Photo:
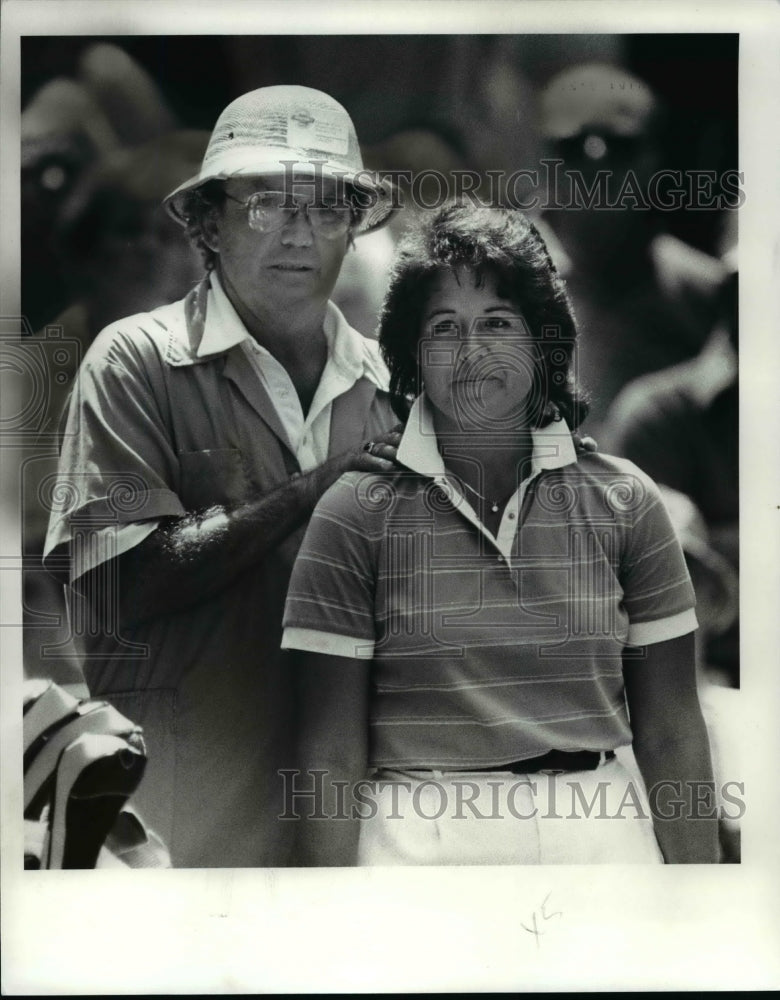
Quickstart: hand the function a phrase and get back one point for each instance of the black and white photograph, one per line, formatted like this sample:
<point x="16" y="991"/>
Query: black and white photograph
<point x="389" y="534"/>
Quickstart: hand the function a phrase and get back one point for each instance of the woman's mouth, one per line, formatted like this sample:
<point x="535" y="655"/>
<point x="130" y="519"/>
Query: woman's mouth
<point x="481" y="380"/>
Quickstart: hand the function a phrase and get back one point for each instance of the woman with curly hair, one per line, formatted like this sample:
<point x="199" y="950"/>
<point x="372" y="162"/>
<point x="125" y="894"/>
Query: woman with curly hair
<point x="482" y="628"/>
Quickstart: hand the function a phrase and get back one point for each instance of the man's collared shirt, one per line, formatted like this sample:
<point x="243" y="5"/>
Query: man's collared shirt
<point x="347" y="361"/>
<point x="195" y="333"/>
<point x="156" y="431"/>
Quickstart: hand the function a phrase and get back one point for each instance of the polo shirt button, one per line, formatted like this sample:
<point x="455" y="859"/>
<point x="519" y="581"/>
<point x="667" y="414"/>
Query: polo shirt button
<point x="511" y="515"/>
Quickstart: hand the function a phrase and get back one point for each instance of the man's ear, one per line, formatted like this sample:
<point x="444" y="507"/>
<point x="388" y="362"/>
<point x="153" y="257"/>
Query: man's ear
<point x="210" y="230"/>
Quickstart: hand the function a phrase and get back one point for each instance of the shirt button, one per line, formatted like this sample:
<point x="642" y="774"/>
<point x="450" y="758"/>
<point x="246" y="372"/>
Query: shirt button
<point x="500" y="559"/>
<point x="511" y="515"/>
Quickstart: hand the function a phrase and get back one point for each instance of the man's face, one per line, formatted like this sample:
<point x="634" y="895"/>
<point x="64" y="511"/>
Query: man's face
<point x="295" y="264"/>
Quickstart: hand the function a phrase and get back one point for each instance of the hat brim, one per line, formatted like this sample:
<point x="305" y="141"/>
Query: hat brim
<point x="381" y="194"/>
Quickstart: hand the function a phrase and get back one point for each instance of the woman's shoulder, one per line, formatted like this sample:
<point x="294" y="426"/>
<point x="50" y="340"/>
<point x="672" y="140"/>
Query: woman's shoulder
<point x="608" y="483"/>
<point x="597" y="463"/>
<point x="370" y="494"/>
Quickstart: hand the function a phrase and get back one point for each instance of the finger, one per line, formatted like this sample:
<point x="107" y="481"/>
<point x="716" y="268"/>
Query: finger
<point x="391" y="437"/>
<point x="371" y="463"/>
<point x="384" y="456"/>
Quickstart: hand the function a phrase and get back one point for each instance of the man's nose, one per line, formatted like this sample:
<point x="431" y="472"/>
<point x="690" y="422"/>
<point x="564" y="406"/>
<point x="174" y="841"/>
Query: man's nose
<point x="297" y="230"/>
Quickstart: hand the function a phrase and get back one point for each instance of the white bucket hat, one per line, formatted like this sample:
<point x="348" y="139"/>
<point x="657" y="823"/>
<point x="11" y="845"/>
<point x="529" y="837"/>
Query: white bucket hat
<point x="286" y="130"/>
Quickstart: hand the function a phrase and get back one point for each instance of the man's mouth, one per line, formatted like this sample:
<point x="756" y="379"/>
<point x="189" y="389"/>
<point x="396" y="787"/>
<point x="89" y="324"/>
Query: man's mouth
<point x="291" y="266"/>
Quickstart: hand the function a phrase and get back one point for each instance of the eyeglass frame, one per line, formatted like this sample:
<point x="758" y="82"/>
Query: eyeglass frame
<point x="289" y="212"/>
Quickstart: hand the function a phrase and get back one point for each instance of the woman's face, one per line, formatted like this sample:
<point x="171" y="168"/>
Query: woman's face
<point x="478" y="359"/>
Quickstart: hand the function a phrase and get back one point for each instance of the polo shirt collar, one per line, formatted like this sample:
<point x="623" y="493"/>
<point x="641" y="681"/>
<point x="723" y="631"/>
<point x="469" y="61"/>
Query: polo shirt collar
<point x="418" y="450"/>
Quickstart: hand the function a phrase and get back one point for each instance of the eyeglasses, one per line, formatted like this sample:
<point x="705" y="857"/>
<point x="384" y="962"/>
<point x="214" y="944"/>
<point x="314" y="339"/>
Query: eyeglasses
<point x="269" y="211"/>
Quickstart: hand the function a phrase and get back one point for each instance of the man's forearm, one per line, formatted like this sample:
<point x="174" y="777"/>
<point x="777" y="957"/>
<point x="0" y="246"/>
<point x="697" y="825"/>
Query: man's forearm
<point x="198" y="555"/>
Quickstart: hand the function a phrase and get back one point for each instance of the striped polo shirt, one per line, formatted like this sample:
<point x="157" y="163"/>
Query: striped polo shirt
<point x="489" y="649"/>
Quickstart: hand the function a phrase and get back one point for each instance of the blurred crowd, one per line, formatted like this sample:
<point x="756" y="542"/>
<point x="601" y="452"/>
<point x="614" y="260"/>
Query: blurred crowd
<point x="658" y="317"/>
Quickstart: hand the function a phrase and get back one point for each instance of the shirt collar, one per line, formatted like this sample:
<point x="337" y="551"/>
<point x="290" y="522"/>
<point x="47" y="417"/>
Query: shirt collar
<point x="418" y="450"/>
<point x="222" y="326"/>
<point x="353" y="355"/>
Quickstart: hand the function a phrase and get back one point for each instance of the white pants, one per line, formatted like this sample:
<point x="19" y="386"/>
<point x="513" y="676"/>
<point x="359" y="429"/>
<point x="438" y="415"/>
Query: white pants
<point x="500" y="818"/>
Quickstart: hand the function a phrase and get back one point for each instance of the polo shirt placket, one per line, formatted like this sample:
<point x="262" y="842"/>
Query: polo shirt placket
<point x="484" y="647"/>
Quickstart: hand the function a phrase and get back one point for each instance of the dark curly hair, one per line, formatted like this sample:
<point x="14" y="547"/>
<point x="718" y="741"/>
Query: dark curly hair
<point x="490" y="241"/>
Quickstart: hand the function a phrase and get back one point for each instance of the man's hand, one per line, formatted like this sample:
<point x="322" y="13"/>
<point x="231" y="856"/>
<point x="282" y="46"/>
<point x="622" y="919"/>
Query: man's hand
<point x="381" y="458"/>
<point x="583" y="444"/>
<point x="379" y="454"/>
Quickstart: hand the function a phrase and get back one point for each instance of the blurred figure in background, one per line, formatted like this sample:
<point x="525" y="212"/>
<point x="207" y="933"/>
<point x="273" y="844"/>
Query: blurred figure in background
<point x="681" y="426"/>
<point x="121" y="254"/>
<point x="68" y="125"/>
<point x="63" y="132"/>
<point x="424" y="161"/>
<point x="643" y="298"/>
<point x="98" y="155"/>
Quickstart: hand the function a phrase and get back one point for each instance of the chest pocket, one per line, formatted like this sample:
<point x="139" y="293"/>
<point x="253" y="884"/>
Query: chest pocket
<point x="213" y="476"/>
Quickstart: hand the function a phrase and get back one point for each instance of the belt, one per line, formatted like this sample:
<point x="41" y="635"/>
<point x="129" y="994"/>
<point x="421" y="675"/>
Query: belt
<point x="554" y="760"/>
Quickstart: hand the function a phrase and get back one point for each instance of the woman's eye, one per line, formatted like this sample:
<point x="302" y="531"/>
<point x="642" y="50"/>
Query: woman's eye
<point x="445" y="328"/>
<point x="505" y="325"/>
<point x="502" y="323"/>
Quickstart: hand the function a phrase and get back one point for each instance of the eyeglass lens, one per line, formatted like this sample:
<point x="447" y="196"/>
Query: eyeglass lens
<point x="268" y="211"/>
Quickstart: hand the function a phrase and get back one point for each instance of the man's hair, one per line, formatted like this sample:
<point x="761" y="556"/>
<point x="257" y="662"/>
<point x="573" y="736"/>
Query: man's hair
<point x="501" y="243"/>
<point x="197" y="204"/>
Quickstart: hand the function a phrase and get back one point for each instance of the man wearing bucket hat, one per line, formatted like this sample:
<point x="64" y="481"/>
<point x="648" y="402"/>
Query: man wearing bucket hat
<point x="198" y="440"/>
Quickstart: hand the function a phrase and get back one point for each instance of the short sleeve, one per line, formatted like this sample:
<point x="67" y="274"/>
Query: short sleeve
<point x="117" y="466"/>
<point x="330" y="601"/>
<point x="658" y="595"/>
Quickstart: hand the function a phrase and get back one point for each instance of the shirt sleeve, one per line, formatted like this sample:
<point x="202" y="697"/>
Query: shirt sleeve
<point x="117" y="466"/>
<point x="330" y="601"/>
<point x="657" y="591"/>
